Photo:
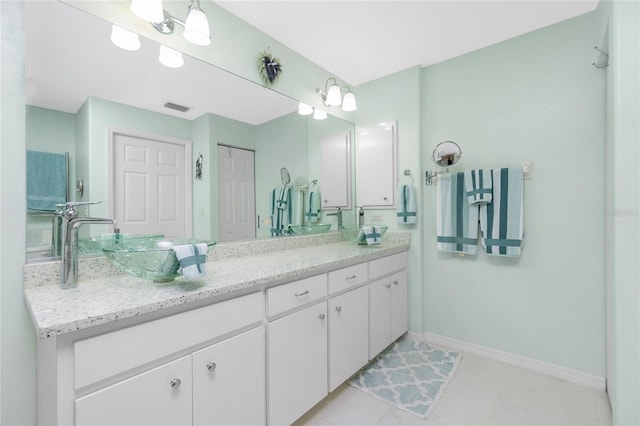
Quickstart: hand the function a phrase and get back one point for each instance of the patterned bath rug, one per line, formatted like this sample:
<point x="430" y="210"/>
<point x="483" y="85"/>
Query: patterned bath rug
<point x="411" y="375"/>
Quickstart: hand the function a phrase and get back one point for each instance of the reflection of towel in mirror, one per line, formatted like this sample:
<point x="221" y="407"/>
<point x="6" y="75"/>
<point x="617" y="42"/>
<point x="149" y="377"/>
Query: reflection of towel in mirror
<point x="456" y="221"/>
<point x="501" y="221"/>
<point x="371" y="234"/>
<point x="192" y="258"/>
<point x="281" y="210"/>
<point x="313" y="204"/>
<point x="46" y="180"/>
<point x="478" y="184"/>
<point x="406" y="205"/>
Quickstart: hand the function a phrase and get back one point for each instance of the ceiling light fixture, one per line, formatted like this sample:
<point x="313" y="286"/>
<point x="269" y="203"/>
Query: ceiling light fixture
<point x="196" y="27"/>
<point x="332" y="95"/>
<point x="124" y="39"/>
<point x="170" y="58"/>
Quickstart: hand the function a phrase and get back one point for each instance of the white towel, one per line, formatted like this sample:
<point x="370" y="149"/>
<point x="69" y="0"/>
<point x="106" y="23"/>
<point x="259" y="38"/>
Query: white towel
<point x="313" y="204"/>
<point x="501" y="221"/>
<point x="478" y="184"/>
<point x="456" y="221"/>
<point x="406" y="205"/>
<point x="192" y="258"/>
<point x="371" y="234"/>
<point x="281" y="210"/>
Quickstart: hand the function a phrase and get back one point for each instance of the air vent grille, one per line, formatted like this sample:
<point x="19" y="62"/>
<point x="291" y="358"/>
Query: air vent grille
<point x="176" y="107"/>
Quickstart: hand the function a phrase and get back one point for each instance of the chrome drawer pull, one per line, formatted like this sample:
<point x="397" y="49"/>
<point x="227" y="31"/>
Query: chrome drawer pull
<point x="302" y="293"/>
<point x="351" y="277"/>
<point x="211" y="366"/>
<point x="175" y="383"/>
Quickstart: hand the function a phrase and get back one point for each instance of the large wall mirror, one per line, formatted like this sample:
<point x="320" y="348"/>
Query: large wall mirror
<point x="81" y="90"/>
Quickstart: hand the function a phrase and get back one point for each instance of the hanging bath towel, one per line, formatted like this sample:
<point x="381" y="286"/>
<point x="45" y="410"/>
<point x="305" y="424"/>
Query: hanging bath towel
<point x="281" y="210"/>
<point x="456" y="221"/>
<point x="501" y="221"/>
<point x="478" y="184"/>
<point x="313" y="204"/>
<point x="406" y="205"/>
<point x="46" y="180"/>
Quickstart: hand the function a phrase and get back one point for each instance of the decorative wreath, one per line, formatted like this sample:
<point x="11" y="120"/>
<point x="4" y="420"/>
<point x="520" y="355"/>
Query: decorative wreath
<point x="269" y="67"/>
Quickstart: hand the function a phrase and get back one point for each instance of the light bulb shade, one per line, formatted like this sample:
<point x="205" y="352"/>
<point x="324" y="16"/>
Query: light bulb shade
<point x="319" y="115"/>
<point x="196" y="29"/>
<point x="349" y="102"/>
<point x="334" y="96"/>
<point x="170" y="58"/>
<point x="124" y="39"/>
<point x="304" y="109"/>
<point x="149" y="10"/>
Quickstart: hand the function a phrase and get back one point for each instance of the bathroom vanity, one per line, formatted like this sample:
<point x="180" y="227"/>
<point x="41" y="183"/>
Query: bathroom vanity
<point x="272" y="329"/>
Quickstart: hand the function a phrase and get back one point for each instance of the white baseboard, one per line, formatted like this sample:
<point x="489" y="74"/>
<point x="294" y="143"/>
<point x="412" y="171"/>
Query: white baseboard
<point x="552" y="370"/>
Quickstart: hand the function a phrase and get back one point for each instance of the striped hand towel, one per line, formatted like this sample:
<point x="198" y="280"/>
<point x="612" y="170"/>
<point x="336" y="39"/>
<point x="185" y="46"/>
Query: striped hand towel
<point x="456" y="221"/>
<point x="192" y="258"/>
<point x="281" y="210"/>
<point x="406" y="205"/>
<point x="501" y="222"/>
<point x="478" y="184"/>
<point x="371" y="234"/>
<point x="313" y="204"/>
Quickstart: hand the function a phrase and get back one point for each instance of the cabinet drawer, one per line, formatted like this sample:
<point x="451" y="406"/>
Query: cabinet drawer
<point x="101" y="357"/>
<point x="345" y="278"/>
<point x="298" y="293"/>
<point x="387" y="265"/>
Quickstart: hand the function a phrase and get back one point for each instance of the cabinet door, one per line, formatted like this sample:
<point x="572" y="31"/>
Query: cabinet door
<point x="335" y="171"/>
<point x="399" y="311"/>
<point x="161" y="396"/>
<point x="376" y="165"/>
<point x="229" y="381"/>
<point x="297" y="363"/>
<point x="348" y="335"/>
<point x="379" y="316"/>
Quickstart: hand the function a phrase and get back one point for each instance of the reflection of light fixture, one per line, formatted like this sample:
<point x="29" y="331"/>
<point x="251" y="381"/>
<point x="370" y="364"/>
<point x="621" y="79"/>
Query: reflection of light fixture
<point x="319" y="114"/>
<point x="124" y="39"/>
<point x="170" y="58"/>
<point x="304" y="109"/>
<point x="149" y="10"/>
<point x="332" y="95"/>
<point x="196" y="28"/>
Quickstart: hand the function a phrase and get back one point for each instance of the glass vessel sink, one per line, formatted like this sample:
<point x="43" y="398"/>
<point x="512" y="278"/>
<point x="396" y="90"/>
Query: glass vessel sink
<point x="356" y="235"/>
<point x="150" y="259"/>
<point x="310" y="228"/>
<point x="95" y="244"/>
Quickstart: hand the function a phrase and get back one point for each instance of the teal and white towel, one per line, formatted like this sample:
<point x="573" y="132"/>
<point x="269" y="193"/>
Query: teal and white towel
<point x="456" y="221"/>
<point x="372" y="234"/>
<point x="46" y="180"/>
<point x="478" y="184"/>
<point x="281" y="210"/>
<point x="192" y="258"/>
<point x="501" y="222"/>
<point x="406" y="205"/>
<point x="312" y="210"/>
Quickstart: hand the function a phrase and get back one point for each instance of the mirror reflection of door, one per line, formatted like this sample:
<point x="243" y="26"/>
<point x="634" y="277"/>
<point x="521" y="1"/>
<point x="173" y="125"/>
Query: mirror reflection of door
<point x="151" y="185"/>
<point x="236" y="194"/>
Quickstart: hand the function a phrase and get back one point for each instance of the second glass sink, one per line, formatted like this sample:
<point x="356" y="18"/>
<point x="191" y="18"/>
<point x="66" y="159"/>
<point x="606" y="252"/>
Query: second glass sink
<point x="356" y="235"/>
<point x="310" y="228"/>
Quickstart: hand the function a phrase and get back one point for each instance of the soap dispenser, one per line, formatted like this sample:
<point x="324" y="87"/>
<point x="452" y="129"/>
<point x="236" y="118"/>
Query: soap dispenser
<point x="361" y="217"/>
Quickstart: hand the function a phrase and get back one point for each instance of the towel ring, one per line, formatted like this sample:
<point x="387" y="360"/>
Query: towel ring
<point x="407" y="172"/>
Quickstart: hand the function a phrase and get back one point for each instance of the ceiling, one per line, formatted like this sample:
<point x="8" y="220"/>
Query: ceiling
<point x="359" y="41"/>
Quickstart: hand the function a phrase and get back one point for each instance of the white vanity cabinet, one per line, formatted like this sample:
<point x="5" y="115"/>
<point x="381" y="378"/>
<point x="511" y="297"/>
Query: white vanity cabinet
<point x="388" y="310"/>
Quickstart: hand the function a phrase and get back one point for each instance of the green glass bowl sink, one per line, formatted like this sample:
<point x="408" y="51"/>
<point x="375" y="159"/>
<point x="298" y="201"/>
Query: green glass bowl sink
<point x="355" y="234"/>
<point x="95" y="244"/>
<point x="310" y="228"/>
<point x="150" y="259"/>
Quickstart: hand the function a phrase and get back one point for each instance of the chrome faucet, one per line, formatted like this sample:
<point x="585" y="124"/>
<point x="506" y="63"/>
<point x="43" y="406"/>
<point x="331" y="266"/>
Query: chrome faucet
<point x="71" y="224"/>
<point x="337" y="214"/>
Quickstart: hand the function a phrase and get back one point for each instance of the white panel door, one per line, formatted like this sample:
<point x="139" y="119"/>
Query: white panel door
<point x="335" y="173"/>
<point x="236" y="194"/>
<point x="151" y="186"/>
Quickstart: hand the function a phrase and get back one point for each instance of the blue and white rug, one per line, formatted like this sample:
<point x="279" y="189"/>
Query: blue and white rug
<point x="411" y="375"/>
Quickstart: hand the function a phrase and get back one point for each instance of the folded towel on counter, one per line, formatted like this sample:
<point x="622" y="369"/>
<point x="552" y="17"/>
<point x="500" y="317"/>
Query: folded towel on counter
<point x="313" y="204"/>
<point x="281" y="210"/>
<point x="371" y="234"/>
<point x="192" y="258"/>
<point x="501" y="222"/>
<point x="478" y="185"/>
<point x="46" y="180"/>
<point x="406" y="205"/>
<point x="456" y="221"/>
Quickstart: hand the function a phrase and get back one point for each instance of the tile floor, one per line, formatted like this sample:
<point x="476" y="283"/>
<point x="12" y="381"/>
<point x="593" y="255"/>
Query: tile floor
<point x="482" y="392"/>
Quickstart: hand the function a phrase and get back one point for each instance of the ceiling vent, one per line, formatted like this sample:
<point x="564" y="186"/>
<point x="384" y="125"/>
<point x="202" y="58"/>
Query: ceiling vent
<point x="176" y="107"/>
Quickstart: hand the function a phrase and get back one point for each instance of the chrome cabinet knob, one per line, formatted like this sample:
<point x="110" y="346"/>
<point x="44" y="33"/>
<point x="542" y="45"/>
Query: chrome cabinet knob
<point x="395" y="282"/>
<point x="211" y="366"/>
<point x="388" y="285"/>
<point x="322" y="316"/>
<point x="175" y="383"/>
<point x="339" y="308"/>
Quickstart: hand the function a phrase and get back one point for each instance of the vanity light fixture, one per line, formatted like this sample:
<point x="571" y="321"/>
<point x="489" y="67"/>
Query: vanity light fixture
<point x="319" y="114"/>
<point x="196" y="27"/>
<point x="332" y="95"/>
<point x="124" y="39"/>
<point x="170" y="58"/>
<point x="304" y="109"/>
<point x="149" y="10"/>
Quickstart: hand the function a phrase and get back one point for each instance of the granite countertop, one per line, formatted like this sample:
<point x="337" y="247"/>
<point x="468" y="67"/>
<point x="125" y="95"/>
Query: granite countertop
<point x="104" y="297"/>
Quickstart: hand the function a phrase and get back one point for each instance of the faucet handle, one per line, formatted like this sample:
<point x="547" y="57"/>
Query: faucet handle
<point x="70" y="212"/>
